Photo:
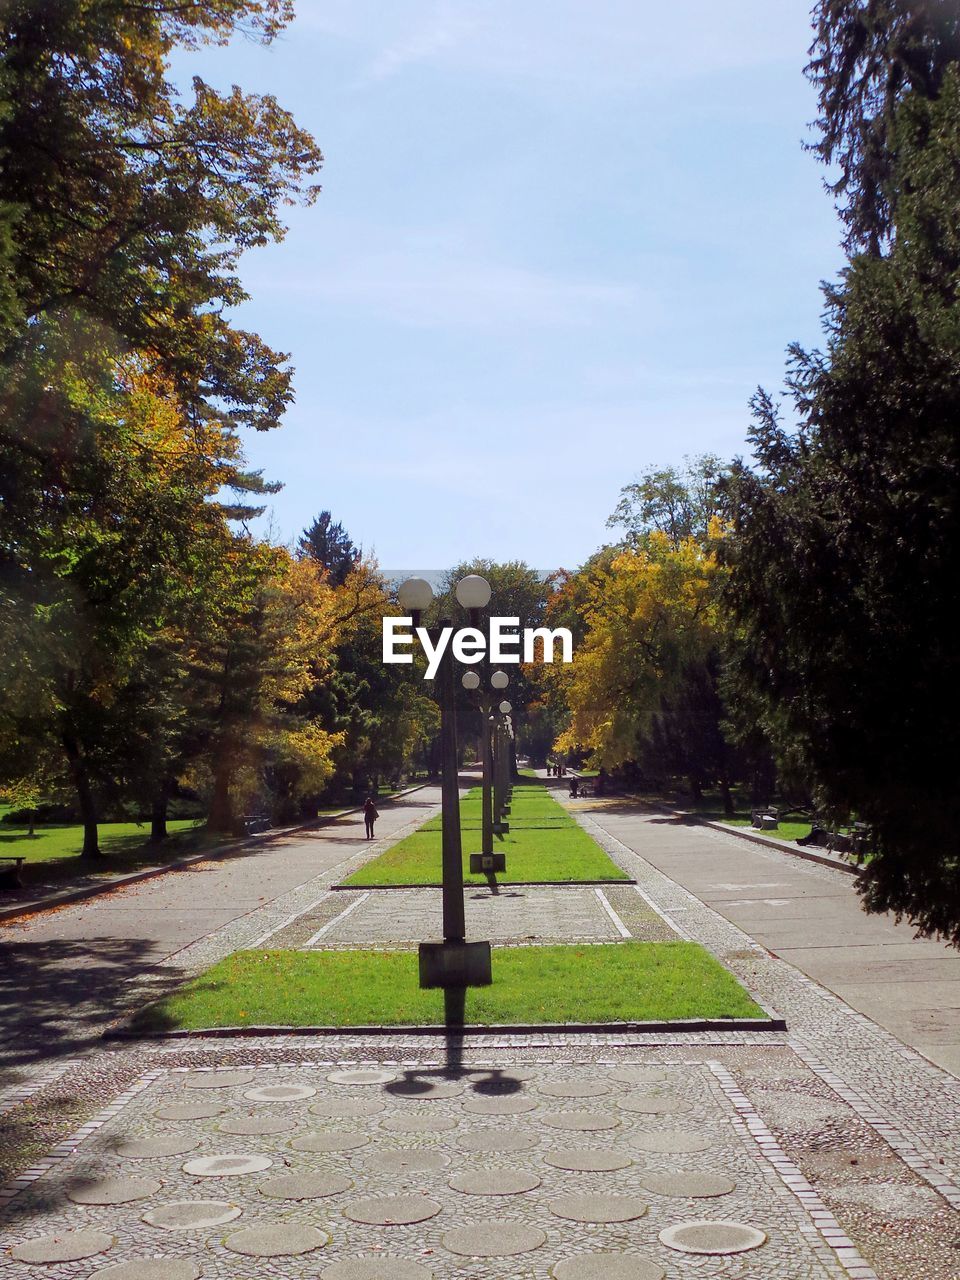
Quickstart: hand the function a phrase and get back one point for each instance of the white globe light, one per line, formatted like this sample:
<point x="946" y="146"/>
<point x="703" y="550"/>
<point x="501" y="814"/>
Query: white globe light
<point x="499" y="680"/>
<point x="415" y="593"/>
<point x="473" y="592"/>
<point x="506" y="707"/>
<point x="470" y="680"/>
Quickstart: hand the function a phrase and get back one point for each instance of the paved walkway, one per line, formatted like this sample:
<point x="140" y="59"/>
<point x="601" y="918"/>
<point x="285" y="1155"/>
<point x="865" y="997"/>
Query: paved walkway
<point x="809" y="915"/>
<point x="831" y="1150"/>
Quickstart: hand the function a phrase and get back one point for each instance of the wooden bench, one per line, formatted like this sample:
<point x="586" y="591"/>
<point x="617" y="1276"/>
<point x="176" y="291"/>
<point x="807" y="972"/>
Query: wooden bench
<point x="10" y="868"/>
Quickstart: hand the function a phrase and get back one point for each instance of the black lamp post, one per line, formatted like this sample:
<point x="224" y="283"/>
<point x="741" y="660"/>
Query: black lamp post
<point x="486" y="860"/>
<point x="454" y="962"/>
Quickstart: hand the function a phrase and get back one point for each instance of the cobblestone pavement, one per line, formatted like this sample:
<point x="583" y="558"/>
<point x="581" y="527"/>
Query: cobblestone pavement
<point x="525" y="1165"/>
<point x="827" y="1151"/>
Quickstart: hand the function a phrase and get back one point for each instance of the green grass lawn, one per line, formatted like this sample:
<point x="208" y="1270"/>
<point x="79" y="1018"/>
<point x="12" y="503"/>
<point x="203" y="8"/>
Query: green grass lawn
<point x="616" y="982"/>
<point x="783" y="831"/>
<point x="118" y="840"/>
<point x="544" y="844"/>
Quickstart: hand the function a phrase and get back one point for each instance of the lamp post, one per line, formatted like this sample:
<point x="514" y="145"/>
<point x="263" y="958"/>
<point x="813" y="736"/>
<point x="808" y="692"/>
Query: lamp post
<point x="486" y="860"/>
<point x="454" y="962"/>
<point x="501" y="771"/>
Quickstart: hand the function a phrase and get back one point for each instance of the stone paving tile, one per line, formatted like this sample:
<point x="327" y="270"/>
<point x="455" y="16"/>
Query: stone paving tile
<point x="349" y="1218"/>
<point x="516" y="913"/>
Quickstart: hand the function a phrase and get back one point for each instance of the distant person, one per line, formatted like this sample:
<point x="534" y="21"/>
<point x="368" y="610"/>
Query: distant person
<point x="574" y="787"/>
<point x="370" y="815"/>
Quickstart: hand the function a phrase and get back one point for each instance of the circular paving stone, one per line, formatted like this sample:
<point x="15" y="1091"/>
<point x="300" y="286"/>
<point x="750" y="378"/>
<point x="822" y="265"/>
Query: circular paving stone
<point x="595" y="1207"/>
<point x="304" y="1186"/>
<point x="190" y="1111"/>
<point x="574" y="1088"/>
<point x="226" y="1166"/>
<point x="504" y="1105"/>
<point x="493" y="1238"/>
<point x="497" y="1140"/>
<point x="637" y="1075"/>
<point x="671" y="1141"/>
<point x="494" y="1182"/>
<point x="329" y="1142"/>
<point x="280" y="1093"/>
<point x="65" y="1246"/>
<point x="112" y="1190"/>
<point x="607" y="1266"/>
<point x="391" y="1211"/>
<point x="714" y="1238"/>
<point x="346" y="1108"/>
<point x="150" y="1269"/>
<point x="276" y="1240"/>
<point x="217" y="1079"/>
<point x="153" y="1148"/>
<point x="256" y="1126"/>
<point x="581" y="1121"/>
<point x="588" y="1160"/>
<point x="380" y="1268"/>
<point x="654" y="1104"/>
<point x="405" y="1161"/>
<point x="419" y="1122"/>
<point x="192" y="1215"/>
<point x="425" y="1090"/>
<point x="360" y="1076"/>
<point x="687" y="1183"/>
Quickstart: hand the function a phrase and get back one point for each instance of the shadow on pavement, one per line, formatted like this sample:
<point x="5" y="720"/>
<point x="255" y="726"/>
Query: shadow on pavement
<point x="57" y="997"/>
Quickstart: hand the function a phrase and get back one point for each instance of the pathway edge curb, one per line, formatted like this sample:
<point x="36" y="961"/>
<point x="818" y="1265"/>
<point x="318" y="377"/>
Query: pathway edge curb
<point x="695" y="1025"/>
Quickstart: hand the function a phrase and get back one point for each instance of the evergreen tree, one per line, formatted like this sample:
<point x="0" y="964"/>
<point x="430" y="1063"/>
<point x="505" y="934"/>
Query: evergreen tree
<point x="846" y="555"/>
<point x="868" y="55"/>
<point x="330" y="545"/>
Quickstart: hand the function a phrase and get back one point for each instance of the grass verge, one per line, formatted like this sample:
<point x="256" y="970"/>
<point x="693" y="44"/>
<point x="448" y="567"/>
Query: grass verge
<point x="544" y="844"/>
<point x="616" y="982"/>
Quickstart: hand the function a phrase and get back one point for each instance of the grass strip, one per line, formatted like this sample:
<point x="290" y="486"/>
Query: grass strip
<point x="615" y="982"/>
<point x="544" y="844"/>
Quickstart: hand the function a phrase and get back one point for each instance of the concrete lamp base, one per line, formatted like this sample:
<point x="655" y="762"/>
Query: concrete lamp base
<point x="455" y="964"/>
<point x="480" y="863"/>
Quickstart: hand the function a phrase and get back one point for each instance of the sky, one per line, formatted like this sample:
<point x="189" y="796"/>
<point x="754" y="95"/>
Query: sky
<point x="559" y="243"/>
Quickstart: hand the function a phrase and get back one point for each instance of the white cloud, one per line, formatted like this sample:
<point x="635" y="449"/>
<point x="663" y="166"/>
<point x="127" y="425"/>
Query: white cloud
<point x="442" y="30"/>
<point x="606" y="44"/>
<point x="428" y="284"/>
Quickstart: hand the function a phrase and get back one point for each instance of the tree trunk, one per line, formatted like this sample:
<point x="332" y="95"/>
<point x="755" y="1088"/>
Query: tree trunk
<point x="220" y="817"/>
<point x="88" y="808"/>
<point x="158" y="816"/>
<point x="32" y="820"/>
<point x="726" y="797"/>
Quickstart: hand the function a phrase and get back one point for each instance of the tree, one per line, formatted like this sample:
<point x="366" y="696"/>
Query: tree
<point x="678" y="502"/>
<point x="123" y="381"/>
<point x="867" y="56"/>
<point x="330" y="545"/>
<point x="650" y="613"/>
<point x="132" y="206"/>
<point x="846" y="554"/>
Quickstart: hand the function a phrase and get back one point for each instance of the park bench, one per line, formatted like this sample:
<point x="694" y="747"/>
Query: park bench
<point x="255" y="823"/>
<point x="765" y="819"/>
<point x="10" y="868"/>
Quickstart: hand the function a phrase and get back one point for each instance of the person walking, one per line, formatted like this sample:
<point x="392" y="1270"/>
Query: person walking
<point x="370" y="815"/>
